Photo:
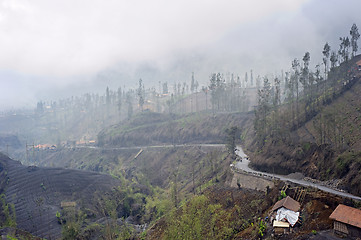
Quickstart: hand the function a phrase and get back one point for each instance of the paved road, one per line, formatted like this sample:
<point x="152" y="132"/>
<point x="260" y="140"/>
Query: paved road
<point x="156" y="146"/>
<point x="244" y="165"/>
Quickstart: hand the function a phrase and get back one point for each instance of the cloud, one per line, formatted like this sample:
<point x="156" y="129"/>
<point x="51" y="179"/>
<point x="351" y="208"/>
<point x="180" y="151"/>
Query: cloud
<point x="63" y="38"/>
<point x="63" y="44"/>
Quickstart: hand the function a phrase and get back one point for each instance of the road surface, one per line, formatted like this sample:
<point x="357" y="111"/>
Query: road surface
<point x="244" y="165"/>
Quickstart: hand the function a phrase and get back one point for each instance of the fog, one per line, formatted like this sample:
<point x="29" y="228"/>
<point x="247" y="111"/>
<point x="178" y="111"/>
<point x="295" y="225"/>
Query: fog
<point x="53" y="49"/>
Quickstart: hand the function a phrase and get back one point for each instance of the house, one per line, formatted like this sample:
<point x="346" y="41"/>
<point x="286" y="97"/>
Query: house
<point x="285" y="214"/>
<point x="346" y="221"/>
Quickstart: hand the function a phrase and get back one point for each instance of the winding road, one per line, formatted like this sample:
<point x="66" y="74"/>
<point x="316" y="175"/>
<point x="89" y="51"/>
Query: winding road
<point x="244" y="165"/>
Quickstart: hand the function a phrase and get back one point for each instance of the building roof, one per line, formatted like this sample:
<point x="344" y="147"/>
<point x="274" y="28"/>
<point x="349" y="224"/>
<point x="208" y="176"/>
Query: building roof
<point x="348" y="215"/>
<point x="280" y="224"/>
<point x="288" y="203"/>
<point x="358" y="62"/>
<point x="68" y="204"/>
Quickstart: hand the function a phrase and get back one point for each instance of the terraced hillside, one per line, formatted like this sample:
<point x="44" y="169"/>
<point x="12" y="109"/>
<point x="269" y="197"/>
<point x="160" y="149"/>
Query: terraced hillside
<point x="38" y="193"/>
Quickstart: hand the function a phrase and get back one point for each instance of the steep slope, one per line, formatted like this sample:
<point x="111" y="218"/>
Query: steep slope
<point x="326" y="146"/>
<point x="38" y="193"/>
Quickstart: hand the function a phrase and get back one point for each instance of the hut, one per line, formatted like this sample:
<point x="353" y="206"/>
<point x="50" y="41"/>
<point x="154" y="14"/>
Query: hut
<point x="285" y="214"/>
<point x="346" y="221"/>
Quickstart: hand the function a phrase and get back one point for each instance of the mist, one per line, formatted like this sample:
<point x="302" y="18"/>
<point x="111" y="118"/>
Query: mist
<point x="64" y="48"/>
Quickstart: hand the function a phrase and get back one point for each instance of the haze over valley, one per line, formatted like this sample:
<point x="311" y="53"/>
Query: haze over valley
<point x="180" y="120"/>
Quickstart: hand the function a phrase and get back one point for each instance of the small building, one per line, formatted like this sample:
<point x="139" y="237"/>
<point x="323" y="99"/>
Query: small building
<point x="288" y="203"/>
<point x="65" y="204"/>
<point x="346" y="221"/>
<point x="285" y="214"/>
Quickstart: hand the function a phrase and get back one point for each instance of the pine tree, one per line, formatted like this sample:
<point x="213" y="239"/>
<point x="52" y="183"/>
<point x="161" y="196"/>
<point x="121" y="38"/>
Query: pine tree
<point x="140" y="93"/>
<point x="119" y="99"/>
<point x="354" y="37"/>
<point x="333" y="59"/>
<point x="326" y="56"/>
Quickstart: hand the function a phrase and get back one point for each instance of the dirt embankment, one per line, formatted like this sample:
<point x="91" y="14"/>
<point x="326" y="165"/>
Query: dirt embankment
<point x="37" y="194"/>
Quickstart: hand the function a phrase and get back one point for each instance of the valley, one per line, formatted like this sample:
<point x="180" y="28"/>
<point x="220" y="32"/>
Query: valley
<point x="269" y="157"/>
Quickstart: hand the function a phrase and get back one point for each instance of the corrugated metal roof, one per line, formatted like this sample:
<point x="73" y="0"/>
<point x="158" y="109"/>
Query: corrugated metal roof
<point x="348" y="215"/>
<point x="280" y="224"/>
<point x="358" y="62"/>
<point x="288" y="203"/>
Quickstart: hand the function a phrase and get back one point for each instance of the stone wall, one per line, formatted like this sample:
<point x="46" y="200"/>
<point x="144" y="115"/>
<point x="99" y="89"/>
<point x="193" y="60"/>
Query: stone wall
<point x="250" y="181"/>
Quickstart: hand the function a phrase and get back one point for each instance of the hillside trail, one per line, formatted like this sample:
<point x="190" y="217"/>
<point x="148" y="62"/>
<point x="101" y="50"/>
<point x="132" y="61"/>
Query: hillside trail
<point x="244" y="166"/>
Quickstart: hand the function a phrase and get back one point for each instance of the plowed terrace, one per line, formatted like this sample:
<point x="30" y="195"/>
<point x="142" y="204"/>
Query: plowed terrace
<point x="37" y="194"/>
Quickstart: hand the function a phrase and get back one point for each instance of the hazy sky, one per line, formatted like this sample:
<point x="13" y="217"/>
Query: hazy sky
<point x="77" y="45"/>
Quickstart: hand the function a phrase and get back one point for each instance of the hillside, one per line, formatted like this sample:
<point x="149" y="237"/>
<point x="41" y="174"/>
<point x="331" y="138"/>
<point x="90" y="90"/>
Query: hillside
<point x="148" y="128"/>
<point x="49" y="200"/>
<point x="196" y="178"/>
<point x="328" y="145"/>
<point x="190" y="166"/>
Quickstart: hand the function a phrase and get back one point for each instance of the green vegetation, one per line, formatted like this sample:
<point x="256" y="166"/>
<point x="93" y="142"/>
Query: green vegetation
<point x="10" y="237"/>
<point x="283" y="194"/>
<point x="199" y="220"/>
<point x="8" y="210"/>
<point x="72" y="221"/>
<point x="262" y="227"/>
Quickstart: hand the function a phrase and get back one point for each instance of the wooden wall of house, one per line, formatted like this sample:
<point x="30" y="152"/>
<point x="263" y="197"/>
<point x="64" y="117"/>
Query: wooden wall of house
<point x="346" y="230"/>
<point x="340" y="227"/>
<point x="354" y="231"/>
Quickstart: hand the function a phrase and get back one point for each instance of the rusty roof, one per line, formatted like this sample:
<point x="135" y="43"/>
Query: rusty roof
<point x="348" y="215"/>
<point x="288" y="203"/>
<point x="358" y="62"/>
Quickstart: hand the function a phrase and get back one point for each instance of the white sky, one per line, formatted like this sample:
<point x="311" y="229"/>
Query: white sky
<point x="49" y="45"/>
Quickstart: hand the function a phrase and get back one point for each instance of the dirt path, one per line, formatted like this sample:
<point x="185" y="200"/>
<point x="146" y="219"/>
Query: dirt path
<point x="244" y="165"/>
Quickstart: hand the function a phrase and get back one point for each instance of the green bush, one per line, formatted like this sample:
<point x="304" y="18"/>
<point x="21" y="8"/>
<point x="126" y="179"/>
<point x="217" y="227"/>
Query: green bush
<point x="198" y="219"/>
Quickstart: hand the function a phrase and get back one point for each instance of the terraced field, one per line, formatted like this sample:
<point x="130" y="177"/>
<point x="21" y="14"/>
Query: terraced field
<point x="37" y="194"/>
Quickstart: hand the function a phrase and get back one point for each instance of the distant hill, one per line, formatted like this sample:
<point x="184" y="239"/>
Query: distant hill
<point x="9" y="141"/>
<point x="148" y="128"/>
